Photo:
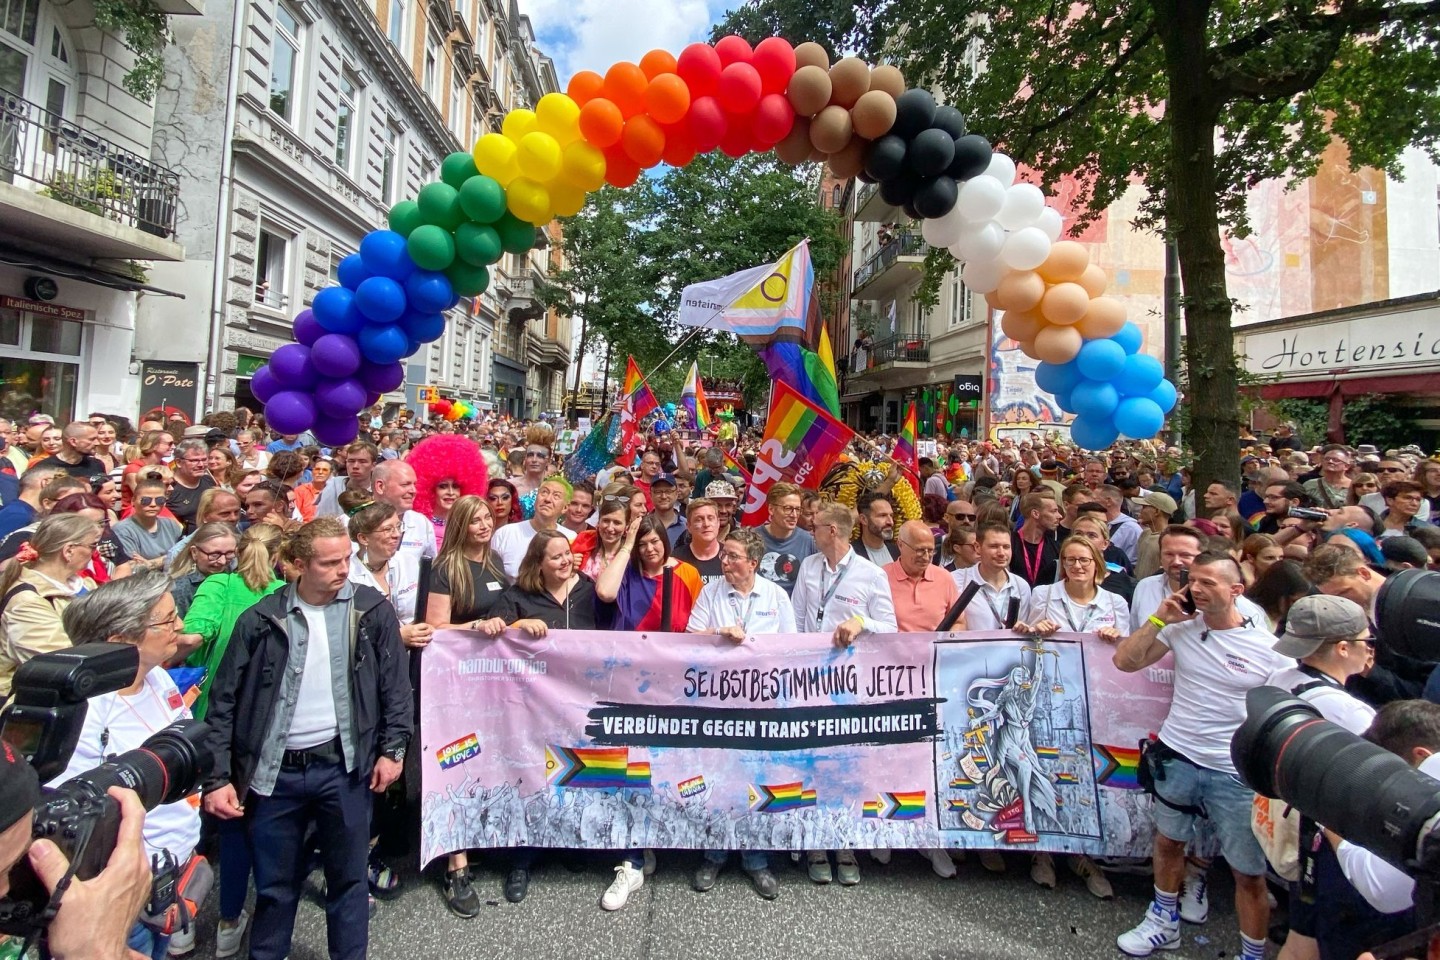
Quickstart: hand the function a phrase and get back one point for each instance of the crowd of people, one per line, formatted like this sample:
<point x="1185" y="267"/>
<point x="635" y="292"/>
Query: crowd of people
<point x="287" y="576"/>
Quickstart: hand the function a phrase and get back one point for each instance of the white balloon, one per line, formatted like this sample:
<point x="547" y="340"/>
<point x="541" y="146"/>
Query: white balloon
<point x="1023" y="205"/>
<point x="941" y="231"/>
<point x="980" y="199"/>
<point x="979" y="245"/>
<point x="1051" y="222"/>
<point x="982" y="277"/>
<point x="1001" y="168"/>
<point x="1025" y="249"/>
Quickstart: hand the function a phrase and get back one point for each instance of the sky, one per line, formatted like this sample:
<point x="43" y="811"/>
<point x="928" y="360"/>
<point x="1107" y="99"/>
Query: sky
<point x="594" y="34"/>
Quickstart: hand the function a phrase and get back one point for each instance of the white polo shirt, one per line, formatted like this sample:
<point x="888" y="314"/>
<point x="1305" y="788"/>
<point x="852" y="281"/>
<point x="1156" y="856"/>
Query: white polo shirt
<point x="765" y="609"/>
<point x="512" y="540"/>
<point x="417" y="536"/>
<point x="987" y="610"/>
<point x="824" y="598"/>
<point x="1050" y="601"/>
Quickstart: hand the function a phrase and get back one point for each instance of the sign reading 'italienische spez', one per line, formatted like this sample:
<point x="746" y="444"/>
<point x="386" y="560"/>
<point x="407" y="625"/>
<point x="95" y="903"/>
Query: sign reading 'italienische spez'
<point x="1404" y="340"/>
<point x="39" y="307"/>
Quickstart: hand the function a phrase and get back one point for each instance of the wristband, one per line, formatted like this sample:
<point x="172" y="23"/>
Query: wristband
<point x="1159" y="624"/>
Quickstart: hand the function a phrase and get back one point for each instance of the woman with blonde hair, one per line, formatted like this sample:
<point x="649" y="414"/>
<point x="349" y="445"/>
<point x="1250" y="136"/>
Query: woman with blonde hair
<point x="535" y="467"/>
<point x="37" y="584"/>
<point x="219" y="462"/>
<point x="211" y="549"/>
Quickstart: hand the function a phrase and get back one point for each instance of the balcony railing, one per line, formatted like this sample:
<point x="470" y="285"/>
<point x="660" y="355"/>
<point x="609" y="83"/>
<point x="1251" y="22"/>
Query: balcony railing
<point x="904" y="244"/>
<point x="43" y="151"/>
<point x="902" y="349"/>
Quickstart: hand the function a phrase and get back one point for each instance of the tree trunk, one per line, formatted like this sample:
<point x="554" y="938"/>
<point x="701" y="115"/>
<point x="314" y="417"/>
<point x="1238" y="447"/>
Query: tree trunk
<point x="1193" y="110"/>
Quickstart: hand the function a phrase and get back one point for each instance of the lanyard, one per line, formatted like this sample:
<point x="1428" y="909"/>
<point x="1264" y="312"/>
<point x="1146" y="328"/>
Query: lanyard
<point x="985" y="592"/>
<point x="745" y="614"/>
<point x="830" y="593"/>
<point x="1090" y="611"/>
<point x="1032" y="571"/>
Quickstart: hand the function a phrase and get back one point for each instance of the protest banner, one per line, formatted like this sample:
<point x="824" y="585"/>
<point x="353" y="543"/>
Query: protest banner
<point x="801" y="443"/>
<point x="626" y="740"/>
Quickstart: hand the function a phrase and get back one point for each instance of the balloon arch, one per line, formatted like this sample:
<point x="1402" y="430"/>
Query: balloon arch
<point x="859" y="119"/>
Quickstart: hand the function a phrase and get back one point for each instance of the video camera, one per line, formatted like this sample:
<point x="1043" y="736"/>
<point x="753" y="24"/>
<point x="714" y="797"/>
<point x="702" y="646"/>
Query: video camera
<point x="43" y="723"/>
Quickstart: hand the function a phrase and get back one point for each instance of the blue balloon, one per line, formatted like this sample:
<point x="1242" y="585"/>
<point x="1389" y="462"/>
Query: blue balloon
<point x="385" y="255"/>
<point x="1139" y="418"/>
<point x="1057" y="377"/>
<point x="1094" y="400"/>
<point x="428" y="292"/>
<point x="1063" y="399"/>
<point x="334" y="309"/>
<point x="1101" y="360"/>
<point x="423" y="327"/>
<point x="1093" y="434"/>
<point x="1130" y="338"/>
<point x="411" y="348"/>
<point x="352" y="272"/>
<point x="1141" y="374"/>
<point x="1164" y="396"/>
<point x="383" y="342"/>
<point x="454" y="302"/>
<point x="381" y="300"/>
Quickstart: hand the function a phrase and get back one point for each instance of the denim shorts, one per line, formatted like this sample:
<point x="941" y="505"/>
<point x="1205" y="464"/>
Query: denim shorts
<point x="1226" y="802"/>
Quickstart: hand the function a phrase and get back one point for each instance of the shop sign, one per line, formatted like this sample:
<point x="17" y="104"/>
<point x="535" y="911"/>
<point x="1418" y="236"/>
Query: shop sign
<point x="1408" y="339"/>
<point x="170" y="386"/>
<point x="246" y="365"/>
<point x="41" y="308"/>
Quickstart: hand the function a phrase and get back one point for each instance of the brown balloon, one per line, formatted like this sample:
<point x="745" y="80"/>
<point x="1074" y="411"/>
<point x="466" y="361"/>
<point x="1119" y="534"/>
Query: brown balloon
<point x="811" y="54"/>
<point x="887" y="78"/>
<point x="818" y="156"/>
<point x="831" y="129"/>
<point x="873" y="114"/>
<point x="795" y="148"/>
<point x="850" y="79"/>
<point x="848" y="162"/>
<point x="809" y="90"/>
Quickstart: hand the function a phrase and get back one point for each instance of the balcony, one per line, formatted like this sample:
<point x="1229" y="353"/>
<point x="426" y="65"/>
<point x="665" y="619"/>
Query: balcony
<point x="521" y="303"/>
<point x="891" y="363"/>
<point x="895" y="265"/>
<point x="66" y="189"/>
<point x="870" y="207"/>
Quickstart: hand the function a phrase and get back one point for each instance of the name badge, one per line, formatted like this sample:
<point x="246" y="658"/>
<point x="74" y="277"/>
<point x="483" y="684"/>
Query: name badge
<point x="492" y="585"/>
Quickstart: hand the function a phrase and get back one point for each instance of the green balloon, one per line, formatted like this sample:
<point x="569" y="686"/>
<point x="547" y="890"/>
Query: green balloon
<point x="457" y="168"/>
<point x="405" y="216"/>
<point x="483" y="199"/>
<point x="466" y="279"/>
<point x="516" y="236"/>
<point x="477" y="244"/>
<point x="440" y="205"/>
<point x="431" y="247"/>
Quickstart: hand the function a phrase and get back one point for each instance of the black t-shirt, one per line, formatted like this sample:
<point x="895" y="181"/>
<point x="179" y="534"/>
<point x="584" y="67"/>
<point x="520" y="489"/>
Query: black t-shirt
<point x="184" y="502"/>
<point x="582" y="610"/>
<point x="709" y="569"/>
<point x="480" y="605"/>
<point x="86" y="469"/>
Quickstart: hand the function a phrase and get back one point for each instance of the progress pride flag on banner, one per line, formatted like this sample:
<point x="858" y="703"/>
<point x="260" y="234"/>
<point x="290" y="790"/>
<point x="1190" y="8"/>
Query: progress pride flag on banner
<point x="802" y="442"/>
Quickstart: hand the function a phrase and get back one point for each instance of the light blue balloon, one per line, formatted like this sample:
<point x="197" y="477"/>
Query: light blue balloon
<point x="1130" y="338"/>
<point x="1140" y="375"/>
<point x="1139" y="418"/>
<point x="1164" y="396"/>
<point x="1101" y="359"/>
<point x="1093" y="434"/>
<point x="1057" y="377"/>
<point x="1094" y="400"/>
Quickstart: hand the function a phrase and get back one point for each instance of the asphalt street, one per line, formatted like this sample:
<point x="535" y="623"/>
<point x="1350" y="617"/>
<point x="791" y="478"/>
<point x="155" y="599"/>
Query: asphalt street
<point x="900" y="911"/>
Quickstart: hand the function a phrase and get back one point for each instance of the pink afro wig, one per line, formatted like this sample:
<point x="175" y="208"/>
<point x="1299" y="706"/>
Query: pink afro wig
<point x="446" y="456"/>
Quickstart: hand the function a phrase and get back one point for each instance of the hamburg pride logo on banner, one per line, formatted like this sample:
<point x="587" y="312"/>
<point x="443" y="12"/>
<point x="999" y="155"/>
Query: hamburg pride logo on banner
<point x="801" y="443"/>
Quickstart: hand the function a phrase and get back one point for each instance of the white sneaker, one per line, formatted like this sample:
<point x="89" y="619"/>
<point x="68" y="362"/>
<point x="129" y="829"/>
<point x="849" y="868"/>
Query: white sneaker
<point x="1158" y="931"/>
<point x="940" y="862"/>
<point x="182" y="941"/>
<point x="228" y="938"/>
<point x="1195" y="897"/>
<point x="627" y="881"/>
<point x="880" y="854"/>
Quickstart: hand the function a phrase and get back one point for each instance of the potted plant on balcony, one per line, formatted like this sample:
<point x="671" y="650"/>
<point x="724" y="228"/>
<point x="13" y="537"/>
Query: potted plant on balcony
<point x="99" y="191"/>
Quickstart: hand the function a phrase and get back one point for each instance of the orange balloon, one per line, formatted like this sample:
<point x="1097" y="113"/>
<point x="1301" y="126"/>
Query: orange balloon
<point x="625" y="85"/>
<point x="1021" y="325"/>
<point x="620" y="170"/>
<point x="643" y="140"/>
<point x="1104" y="318"/>
<point x="1027" y="347"/>
<point x="601" y="123"/>
<point x="1065" y="303"/>
<point x="585" y="86"/>
<point x="994" y="303"/>
<point x="1067" y="262"/>
<point x="1020" y="290"/>
<point x="1094" y="280"/>
<point x="1057" y="344"/>
<point x="667" y="99"/>
<point x="657" y="62"/>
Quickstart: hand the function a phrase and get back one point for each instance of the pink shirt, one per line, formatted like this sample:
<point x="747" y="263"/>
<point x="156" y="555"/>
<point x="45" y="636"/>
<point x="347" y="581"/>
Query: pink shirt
<point x="920" y="602"/>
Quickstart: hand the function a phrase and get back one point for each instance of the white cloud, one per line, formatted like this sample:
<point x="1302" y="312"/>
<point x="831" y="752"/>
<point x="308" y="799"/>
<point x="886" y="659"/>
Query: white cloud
<point x="594" y="34"/>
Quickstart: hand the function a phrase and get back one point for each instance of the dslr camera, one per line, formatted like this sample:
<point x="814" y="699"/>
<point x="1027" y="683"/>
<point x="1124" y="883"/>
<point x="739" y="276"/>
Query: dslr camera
<point x="43" y="722"/>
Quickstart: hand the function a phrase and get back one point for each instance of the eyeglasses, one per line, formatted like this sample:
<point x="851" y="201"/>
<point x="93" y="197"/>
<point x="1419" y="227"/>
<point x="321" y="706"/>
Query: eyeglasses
<point x="214" y="555"/>
<point x="787" y="509"/>
<point x="963" y="516"/>
<point x="389" y="530"/>
<point x="734" y="557"/>
<point x="152" y="501"/>
<point x="165" y="624"/>
<point x="1078" y="561"/>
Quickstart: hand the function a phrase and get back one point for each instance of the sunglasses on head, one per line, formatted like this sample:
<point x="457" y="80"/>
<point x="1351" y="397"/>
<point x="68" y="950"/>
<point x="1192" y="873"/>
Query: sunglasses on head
<point x="615" y="498"/>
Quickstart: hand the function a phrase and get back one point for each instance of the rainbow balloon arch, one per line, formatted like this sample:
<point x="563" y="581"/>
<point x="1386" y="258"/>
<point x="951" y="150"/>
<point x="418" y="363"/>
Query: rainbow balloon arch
<point x="861" y="120"/>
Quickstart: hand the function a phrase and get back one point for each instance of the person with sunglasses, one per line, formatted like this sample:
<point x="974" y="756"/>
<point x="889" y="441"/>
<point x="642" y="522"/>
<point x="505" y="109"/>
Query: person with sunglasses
<point x="534" y="467"/>
<point x="146" y="535"/>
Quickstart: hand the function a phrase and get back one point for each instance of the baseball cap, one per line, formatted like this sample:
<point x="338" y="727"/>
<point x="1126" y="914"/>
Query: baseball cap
<point x="1405" y="550"/>
<point x="197" y="432"/>
<point x="665" y="478"/>
<point x="1316" y="619"/>
<point x="1160" y="501"/>
<point x="19" y="786"/>
<point x="720" y="490"/>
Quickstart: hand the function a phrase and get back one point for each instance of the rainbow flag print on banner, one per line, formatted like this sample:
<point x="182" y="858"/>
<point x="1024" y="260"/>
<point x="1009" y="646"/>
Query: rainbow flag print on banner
<point x="903" y="805"/>
<point x="801" y="443"/>
<point x="596" y="768"/>
<point x="780" y="797"/>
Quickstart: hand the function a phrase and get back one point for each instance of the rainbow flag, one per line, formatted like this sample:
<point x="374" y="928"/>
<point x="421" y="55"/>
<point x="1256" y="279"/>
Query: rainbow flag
<point x="734" y="463"/>
<point x="692" y="398"/>
<point x="638" y="393"/>
<point x="1116" y="767"/>
<point x="904" y="452"/>
<point x="1048" y="753"/>
<point x="801" y="443"/>
<point x="780" y="797"/>
<point x="1066" y="777"/>
<point x="595" y="768"/>
<point x="872" y="809"/>
<point x="962" y="782"/>
<point x="692" y="787"/>
<point x="903" y="805"/>
<point x="454" y="754"/>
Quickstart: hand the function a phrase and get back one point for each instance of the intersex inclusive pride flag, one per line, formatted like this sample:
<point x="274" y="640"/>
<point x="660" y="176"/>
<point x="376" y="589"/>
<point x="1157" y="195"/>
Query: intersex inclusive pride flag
<point x="801" y="443"/>
<point x="692" y="398"/>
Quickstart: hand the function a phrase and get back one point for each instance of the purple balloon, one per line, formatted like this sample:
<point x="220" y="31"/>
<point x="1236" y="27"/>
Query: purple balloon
<point x="381" y="300"/>
<point x="290" y="411"/>
<point x="336" y="431"/>
<point x="307" y="328"/>
<point x="335" y="355"/>
<point x="334" y="309"/>
<point x="339" y="398"/>
<point x="424" y="327"/>
<point x="383" y="343"/>
<point x="264" y="384"/>
<point x="381" y="377"/>
<point x="371" y="399"/>
<point x="293" y="367"/>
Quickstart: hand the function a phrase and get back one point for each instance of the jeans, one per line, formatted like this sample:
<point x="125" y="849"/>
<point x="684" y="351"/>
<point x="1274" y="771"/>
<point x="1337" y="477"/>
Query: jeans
<point x="234" y="867"/>
<point x="154" y="945"/>
<point x="1226" y="802"/>
<point x="750" y="860"/>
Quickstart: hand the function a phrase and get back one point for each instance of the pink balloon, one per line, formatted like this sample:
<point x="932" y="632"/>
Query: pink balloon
<point x="774" y="118"/>
<point x="739" y="89"/>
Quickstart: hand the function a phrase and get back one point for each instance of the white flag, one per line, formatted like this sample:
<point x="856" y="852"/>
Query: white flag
<point x="703" y="304"/>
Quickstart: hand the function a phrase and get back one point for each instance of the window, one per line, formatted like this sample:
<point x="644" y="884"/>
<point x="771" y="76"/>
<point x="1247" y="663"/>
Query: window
<point x="272" y="254"/>
<point x="962" y="311"/>
<point x="432" y="60"/>
<point x="835" y="197"/>
<point x="347" y="117"/>
<point x="397" y="23"/>
<point x="390" y="164"/>
<point x="39" y="370"/>
<point x="457" y="106"/>
<point x="284" y="61"/>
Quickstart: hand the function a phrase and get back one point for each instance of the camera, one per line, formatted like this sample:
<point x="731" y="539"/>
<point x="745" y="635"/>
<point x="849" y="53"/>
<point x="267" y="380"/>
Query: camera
<point x="1407" y="609"/>
<point x="43" y="722"/>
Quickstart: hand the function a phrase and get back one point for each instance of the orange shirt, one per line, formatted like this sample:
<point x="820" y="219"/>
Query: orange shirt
<point x="920" y="602"/>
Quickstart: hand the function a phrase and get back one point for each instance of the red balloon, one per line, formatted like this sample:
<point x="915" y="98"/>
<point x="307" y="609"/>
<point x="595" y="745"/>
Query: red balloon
<point x="739" y="90"/>
<point x="739" y="137"/>
<point x="584" y="87"/>
<point x="733" y="49"/>
<point x="699" y="66"/>
<point x="707" y="123"/>
<point x="775" y="60"/>
<point x="773" y="118"/>
<point x="679" y="144"/>
<point x="620" y="170"/>
<point x="643" y="140"/>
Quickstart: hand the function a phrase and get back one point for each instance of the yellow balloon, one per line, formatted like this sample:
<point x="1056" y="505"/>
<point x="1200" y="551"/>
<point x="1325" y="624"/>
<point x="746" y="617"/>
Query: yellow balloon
<point x="568" y="200"/>
<point x="539" y="156"/>
<point x="583" y="166"/>
<point x="528" y="200"/>
<point x="494" y="153"/>
<point x="559" y="116"/>
<point x="517" y="123"/>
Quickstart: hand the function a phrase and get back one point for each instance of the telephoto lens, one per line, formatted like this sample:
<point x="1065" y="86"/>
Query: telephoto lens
<point x="1363" y="792"/>
<point x="170" y="765"/>
<point x="1407" y="614"/>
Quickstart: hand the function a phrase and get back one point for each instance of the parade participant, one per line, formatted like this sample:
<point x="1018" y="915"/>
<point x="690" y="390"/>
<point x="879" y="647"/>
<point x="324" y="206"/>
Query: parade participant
<point x="146" y="535"/>
<point x="1097" y="531"/>
<point x="1219" y="655"/>
<point x="740" y="606"/>
<point x="248" y="454"/>
<point x="597" y="548"/>
<point x="209" y="550"/>
<point x="307" y="495"/>
<point x="539" y="439"/>
<point x="154" y="450"/>
<point x="702" y="546"/>
<point x="999" y="586"/>
<point x="722" y="495"/>
<point x="809" y="503"/>
<point x="960" y="550"/>
<point x="877" y="528"/>
<point x="1124" y="530"/>
<point x="29" y="505"/>
<point x="643" y="572"/>
<point x="359" y="459"/>
<point x="446" y="469"/>
<point x="269" y="502"/>
<point x="394" y="482"/>
<point x="75" y="453"/>
<point x="663" y="493"/>
<point x="1179" y="546"/>
<point x="581" y="506"/>
<point x="1155" y="510"/>
<point x="37" y="584"/>
<point x="1035" y="547"/>
<point x="511" y="541"/>
<point x="108" y="449"/>
<point x="191" y="478"/>
<point x="378" y="563"/>
<point x="49" y="442"/>
<point x="786" y="545"/>
<point x="650" y="464"/>
<point x="504" y="504"/>
<point x="920" y="592"/>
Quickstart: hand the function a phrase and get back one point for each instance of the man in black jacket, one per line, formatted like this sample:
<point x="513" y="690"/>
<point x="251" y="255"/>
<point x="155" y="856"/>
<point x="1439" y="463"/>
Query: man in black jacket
<point x="310" y="706"/>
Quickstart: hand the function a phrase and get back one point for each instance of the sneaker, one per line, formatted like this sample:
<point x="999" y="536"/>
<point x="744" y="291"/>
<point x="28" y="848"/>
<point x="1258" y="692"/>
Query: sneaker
<point x="819" y="866"/>
<point x="517" y="884"/>
<point x="460" y="896"/>
<point x="940" y="862"/>
<point x="992" y="861"/>
<point x="1195" y="897"/>
<point x="627" y="881"/>
<point x="229" y="934"/>
<point x="847" y="870"/>
<point x="1042" y="870"/>
<point x="649" y="867"/>
<point x="182" y="941"/>
<point x="764" y="883"/>
<point x="1158" y="931"/>
<point x="880" y="854"/>
<point x="705" y="876"/>
<point x="1095" y="880"/>
<point x="370" y="907"/>
<point x="384" y="882"/>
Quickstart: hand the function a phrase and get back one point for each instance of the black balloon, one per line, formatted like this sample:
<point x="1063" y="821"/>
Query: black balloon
<point x="972" y="156"/>
<point x="899" y="191"/>
<point x="936" y="197"/>
<point x="910" y="211"/>
<point x="885" y="158"/>
<point x="914" y="111"/>
<point x="864" y="177"/>
<point x="930" y="152"/>
<point x="950" y="120"/>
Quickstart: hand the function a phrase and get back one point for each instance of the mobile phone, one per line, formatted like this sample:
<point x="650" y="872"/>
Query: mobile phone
<point x="1187" y="604"/>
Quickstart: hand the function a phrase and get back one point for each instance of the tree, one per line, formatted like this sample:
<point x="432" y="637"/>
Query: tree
<point x="1198" y="100"/>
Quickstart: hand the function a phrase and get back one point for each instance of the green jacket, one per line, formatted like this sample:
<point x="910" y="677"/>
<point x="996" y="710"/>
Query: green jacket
<point x="218" y="603"/>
